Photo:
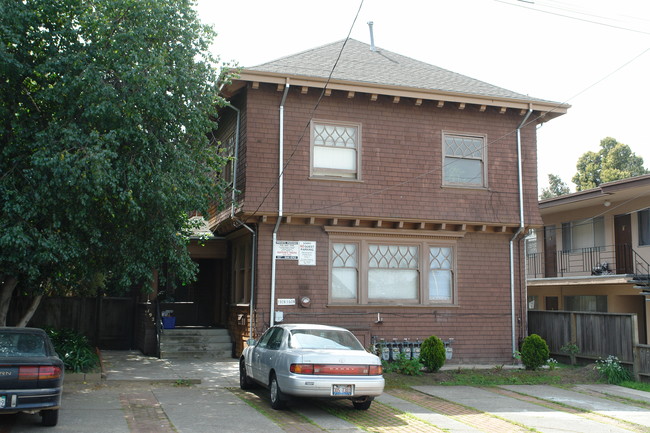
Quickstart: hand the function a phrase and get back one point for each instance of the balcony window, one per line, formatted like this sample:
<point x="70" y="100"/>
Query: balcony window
<point x="583" y="234"/>
<point x="644" y="227"/>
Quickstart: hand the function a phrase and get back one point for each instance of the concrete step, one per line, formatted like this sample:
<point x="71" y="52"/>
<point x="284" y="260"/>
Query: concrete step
<point x="225" y="355"/>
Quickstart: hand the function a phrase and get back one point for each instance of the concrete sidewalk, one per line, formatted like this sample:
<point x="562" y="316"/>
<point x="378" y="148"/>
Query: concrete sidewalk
<point x="141" y="394"/>
<point x="131" y="367"/>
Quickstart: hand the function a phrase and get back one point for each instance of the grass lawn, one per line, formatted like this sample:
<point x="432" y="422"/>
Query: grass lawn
<point x="498" y="375"/>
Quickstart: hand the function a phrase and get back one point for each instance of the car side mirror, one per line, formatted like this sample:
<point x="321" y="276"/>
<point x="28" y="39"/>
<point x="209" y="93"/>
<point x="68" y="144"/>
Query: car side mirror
<point x="251" y="342"/>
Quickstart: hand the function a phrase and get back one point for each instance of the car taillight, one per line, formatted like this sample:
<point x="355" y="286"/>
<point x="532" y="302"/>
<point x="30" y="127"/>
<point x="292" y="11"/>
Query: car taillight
<point x="302" y="368"/>
<point x="42" y="372"/>
<point x="336" y="369"/>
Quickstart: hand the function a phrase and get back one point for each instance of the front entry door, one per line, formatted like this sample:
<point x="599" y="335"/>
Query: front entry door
<point x="623" y="241"/>
<point x="550" y="252"/>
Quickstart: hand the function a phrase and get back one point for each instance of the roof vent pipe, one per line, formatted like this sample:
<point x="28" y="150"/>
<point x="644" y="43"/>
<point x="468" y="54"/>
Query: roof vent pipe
<point x="372" y="37"/>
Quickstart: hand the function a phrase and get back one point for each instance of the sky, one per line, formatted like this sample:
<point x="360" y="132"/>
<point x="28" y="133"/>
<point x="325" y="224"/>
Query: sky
<point x="591" y="54"/>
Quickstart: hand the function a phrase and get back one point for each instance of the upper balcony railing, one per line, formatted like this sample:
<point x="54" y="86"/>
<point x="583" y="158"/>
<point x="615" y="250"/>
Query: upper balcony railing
<point x="605" y="260"/>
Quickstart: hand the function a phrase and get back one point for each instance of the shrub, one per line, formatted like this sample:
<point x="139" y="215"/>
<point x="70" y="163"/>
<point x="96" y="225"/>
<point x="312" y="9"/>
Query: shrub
<point x="74" y="350"/>
<point x="403" y="365"/>
<point x="612" y="370"/>
<point x="432" y="353"/>
<point x="534" y="352"/>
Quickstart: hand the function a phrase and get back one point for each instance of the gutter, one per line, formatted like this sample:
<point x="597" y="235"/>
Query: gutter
<point x="518" y="233"/>
<point x="243" y="224"/>
<point x="280" y="201"/>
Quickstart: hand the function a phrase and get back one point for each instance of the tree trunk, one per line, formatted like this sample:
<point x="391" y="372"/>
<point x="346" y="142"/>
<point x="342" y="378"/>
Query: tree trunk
<point x="30" y="311"/>
<point x="6" y="291"/>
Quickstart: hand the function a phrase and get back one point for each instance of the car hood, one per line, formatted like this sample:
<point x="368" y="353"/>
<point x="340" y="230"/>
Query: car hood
<point x="313" y="356"/>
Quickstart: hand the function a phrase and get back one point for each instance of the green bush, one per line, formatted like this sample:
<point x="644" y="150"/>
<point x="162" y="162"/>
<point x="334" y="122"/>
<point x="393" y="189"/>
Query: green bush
<point x="74" y="350"/>
<point x="432" y="353"/>
<point x="534" y="352"/>
<point x="403" y="365"/>
<point x="612" y="370"/>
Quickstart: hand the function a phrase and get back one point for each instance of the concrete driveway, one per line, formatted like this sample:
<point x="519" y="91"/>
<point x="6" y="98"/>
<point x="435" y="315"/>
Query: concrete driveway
<point x="142" y="394"/>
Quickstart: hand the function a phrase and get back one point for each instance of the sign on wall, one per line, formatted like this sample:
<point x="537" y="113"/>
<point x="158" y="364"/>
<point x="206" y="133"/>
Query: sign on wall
<point x="303" y="251"/>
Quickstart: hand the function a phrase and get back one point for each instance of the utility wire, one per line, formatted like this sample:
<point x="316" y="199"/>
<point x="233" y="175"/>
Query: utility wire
<point x="311" y="115"/>
<point x="527" y="5"/>
<point x="485" y="147"/>
<point x="426" y="173"/>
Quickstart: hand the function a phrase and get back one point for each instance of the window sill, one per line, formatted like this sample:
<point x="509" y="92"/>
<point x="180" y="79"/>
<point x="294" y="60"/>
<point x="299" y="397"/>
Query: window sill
<point x="376" y="306"/>
<point x="335" y="179"/>
<point x="470" y="187"/>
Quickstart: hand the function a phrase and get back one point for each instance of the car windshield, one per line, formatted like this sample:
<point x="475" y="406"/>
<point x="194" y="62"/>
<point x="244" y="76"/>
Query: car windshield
<point x="20" y="344"/>
<point x="323" y="339"/>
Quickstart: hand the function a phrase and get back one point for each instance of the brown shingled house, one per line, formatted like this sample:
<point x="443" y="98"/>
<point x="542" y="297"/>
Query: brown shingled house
<point x="396" y="194"/>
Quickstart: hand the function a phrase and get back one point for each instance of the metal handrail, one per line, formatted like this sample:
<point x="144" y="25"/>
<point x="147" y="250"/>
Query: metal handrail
<point x="590" y="261"/>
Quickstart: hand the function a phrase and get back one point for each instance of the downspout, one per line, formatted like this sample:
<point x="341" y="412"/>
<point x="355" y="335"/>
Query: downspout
<point x="251" y="303"/>
<point x="519" y="231"/>
<point x="280" y="201"/>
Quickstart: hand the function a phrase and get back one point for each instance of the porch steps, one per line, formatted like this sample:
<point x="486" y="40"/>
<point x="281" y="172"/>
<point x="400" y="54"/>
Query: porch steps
<point x="195" y="343"/>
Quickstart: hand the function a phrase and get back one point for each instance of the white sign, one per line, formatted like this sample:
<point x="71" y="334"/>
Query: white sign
<point x="307" y="253"/>
<point x="287" y="250"/>
<point x="303" y="251"/>
<point x="286" y="301"/>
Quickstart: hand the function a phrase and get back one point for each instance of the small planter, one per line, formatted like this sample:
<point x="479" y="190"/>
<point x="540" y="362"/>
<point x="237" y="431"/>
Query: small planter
<point x="169" y="322"/>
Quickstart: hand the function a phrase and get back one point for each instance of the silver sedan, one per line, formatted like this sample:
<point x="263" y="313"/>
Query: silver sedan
<point x="309" y="360"/>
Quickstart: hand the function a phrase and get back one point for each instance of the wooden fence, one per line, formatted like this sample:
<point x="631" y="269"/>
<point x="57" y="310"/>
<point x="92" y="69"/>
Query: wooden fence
<point x="597" y="335"/>
<point x="108" y="322"/>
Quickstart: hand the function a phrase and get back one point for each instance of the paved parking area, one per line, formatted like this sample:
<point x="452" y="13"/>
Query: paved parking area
<point x="142" y="395"/>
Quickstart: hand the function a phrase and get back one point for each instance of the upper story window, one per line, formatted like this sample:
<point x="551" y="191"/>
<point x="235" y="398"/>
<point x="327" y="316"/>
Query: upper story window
<point x="227" y="150"/>
<point x="582" y="234"/>
<point x="464" y="160"/>
<point x="335" y="150"/>
<point x="644" y="227"/>
<point x="368" y="272"/>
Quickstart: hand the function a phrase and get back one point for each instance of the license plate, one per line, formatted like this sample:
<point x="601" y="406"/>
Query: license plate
<point x="342" y="389"/>
<point x="3" y="401"/>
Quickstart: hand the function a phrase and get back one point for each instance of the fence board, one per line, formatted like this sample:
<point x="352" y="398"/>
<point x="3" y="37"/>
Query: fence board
<point x="598" y="335"/>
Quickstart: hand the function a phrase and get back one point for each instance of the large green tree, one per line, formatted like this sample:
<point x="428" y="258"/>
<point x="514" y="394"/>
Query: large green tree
<point x="105" y="121"/>
<point x="556" y="187"/>
<point x="614" y="161"/>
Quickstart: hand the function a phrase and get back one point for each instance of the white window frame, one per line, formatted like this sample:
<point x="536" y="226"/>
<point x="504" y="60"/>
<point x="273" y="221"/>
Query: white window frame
<point x="447" y="160"/>
<point x="422" y="297"/>
<point x="334" y="173"/>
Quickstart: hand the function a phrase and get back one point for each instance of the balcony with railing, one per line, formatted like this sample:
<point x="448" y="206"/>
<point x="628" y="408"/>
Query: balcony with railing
<point x="586" y="262"/>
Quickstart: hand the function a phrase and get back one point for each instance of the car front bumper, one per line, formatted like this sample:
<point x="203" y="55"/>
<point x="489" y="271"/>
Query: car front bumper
<point x="321" y="386"/>
<point x="29" y="400"/>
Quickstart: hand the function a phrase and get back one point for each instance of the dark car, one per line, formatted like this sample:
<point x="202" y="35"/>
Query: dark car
<point x="31" y="374"/>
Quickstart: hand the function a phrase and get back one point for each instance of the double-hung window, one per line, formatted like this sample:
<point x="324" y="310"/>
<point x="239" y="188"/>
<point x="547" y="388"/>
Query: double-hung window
<point x="379" y="272"/>
<point x="335" y="150"/>
<point x="464" y="160"/>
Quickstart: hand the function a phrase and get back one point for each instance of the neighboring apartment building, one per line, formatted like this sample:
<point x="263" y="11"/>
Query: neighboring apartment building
<point x="593" y="252"/>
<point x="391" y="189"/>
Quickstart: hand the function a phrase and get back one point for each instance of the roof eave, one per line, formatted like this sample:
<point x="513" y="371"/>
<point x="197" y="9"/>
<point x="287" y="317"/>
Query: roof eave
<point x="549" y="109"/>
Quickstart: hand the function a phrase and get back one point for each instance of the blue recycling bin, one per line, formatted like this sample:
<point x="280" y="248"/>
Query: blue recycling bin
<point x="169" y="322"/>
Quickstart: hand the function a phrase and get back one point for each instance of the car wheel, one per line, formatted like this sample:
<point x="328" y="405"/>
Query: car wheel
<point x="362" y="405"/>
<point x="50" y="418"/>
<point x="244" y="381"/>
<point x="278" y="400"/>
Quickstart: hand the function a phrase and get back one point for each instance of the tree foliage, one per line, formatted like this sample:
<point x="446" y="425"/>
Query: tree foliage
<point x="556" y="187"/>
<point x="105" y="117"/>
<point x="614" y="161"/>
